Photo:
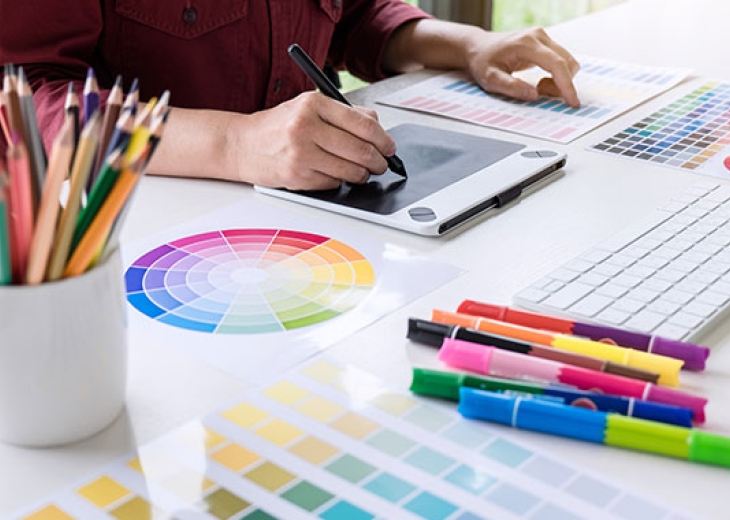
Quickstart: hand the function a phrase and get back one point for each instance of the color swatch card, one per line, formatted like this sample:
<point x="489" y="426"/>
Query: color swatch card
<point x="691" y="133"/>
<point x="605" y="88"/>
<point x="332" y="442"/>
<point x="253" y="290"/>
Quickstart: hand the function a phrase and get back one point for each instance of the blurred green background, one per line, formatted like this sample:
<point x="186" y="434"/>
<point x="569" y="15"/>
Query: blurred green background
<point x="511" y="15"/>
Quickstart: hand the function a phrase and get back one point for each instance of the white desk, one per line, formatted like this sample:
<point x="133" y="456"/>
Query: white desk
<point x="597" y="196"/>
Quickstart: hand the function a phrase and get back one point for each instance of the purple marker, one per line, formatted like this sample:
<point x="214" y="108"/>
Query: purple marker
<point x="694" y="356"/>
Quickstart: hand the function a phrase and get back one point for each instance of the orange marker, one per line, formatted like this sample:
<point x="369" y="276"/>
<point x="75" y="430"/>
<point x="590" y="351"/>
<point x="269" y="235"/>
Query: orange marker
<point x="667" y="368"/>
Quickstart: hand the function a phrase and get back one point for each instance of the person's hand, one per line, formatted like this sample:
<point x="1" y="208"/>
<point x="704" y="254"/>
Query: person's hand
<point x="311" y="142"/>
<point x="493" y="57"/>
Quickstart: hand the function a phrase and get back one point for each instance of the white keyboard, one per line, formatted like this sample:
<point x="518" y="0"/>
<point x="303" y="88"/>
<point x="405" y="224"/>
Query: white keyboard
<point x="667" y="275"/>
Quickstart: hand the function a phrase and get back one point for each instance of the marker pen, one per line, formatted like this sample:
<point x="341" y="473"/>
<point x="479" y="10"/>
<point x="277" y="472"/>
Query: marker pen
<point x="595" y="426"/>
<point x="667" y="368"/>
<point x="500" y="363"/>
<point x="446" y="385"/>
<point x="433" y="334"/>
<point x="694" y="356"/>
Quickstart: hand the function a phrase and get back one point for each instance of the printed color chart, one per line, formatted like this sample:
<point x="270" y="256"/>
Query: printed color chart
<point x="248" y="281"/>
<point x="605" y="88"/>
<point x="691" y="133"/>
<point x="332" y="442"/>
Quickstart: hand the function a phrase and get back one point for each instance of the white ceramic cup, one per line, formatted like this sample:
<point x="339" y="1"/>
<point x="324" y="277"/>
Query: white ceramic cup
<point x="63" y="357"/>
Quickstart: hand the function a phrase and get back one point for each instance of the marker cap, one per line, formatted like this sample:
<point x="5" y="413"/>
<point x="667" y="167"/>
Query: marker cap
<point x="650" y="436"/>
<point x="428" y="332"/>
<point x="670" y="396"/>
<point x="694" y="356"/>
<point x="465" y="355"/>
<point x="437" y="384"/>
<point x="709" y="448"/>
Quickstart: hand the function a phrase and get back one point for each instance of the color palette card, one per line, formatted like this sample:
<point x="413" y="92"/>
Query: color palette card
<point x="605" y="88"/>
<point x="691" y="132"/>
<point x="252" y="289"/>
<point x="332" y="442"/>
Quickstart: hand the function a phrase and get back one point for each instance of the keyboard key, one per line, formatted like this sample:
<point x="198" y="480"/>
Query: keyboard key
<point x="568" y="295"/>
<point x="645" y="320"/>
<point x="591" y="305"/>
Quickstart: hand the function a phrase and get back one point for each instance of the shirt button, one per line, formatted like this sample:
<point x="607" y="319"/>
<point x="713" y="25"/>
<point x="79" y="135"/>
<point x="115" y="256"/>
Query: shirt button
<point x="277" y="85"/>
<point x="190" y="15"/>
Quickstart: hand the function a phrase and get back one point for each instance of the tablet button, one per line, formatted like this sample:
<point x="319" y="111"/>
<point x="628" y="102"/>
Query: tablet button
<point x="530" y="154"/>
<point x="422" y="214"/>
<point x="546" y="153"/>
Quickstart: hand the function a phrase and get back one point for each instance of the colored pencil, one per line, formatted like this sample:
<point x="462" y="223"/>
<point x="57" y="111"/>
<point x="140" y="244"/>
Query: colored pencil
<point x="83" y="160"/>
<point x="101" y="189"/>
<point x="15" y="115"/>
<point x="111" y="114"/>
<point x="91" y="95"/>
<point x="93" y="240"/>
<point x="4" y="120"/>
<point x="71" y="106"/>
<point x="21" y="208"/>
<point x="36" y="151"/>
<point x="6" y="273"/>
<point x="58" y="170"/>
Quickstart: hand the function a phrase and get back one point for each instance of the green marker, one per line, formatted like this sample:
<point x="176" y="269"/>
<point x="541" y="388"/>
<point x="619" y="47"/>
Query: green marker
<point x="447" y="384"/>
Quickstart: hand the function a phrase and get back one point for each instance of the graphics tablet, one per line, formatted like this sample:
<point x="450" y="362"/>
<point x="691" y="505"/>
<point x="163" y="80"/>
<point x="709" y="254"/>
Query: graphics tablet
<point x="452" y="178"/>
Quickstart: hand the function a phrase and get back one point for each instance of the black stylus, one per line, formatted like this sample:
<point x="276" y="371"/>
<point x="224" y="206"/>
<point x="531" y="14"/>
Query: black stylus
<point x="323" y="83"/>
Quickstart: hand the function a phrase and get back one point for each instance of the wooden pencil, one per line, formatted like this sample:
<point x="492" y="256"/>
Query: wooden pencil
<point x="21" y="208"/>
<point x="141" y="133"/>
<point x="36" y="151"/>
<point x="71" y="106"/>
<point x="58" y="170"/>
<point x="15" y="116"/>
<point x="122" y="132"/>
<point x="91" y="95"/>
<point x="98" y="194"/>
<point x="4" y="120"/>
<point x="6" y="272"/>
<point x="111" y="114"/>
<point x="93" y="240"/>
<point x="82" y="162"/>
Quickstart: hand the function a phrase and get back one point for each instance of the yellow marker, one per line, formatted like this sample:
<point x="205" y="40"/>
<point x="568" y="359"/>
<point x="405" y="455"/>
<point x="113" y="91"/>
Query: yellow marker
<point x="667" y="368"/>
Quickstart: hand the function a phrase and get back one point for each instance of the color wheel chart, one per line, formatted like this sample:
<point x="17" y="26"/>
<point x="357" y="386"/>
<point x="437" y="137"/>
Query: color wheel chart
<point x="248" y="281"/>
<point x="605" y="88"/>
<point x="251" y="289"/>
<point x="690" y="133"/>
<point x="333" y="442"/>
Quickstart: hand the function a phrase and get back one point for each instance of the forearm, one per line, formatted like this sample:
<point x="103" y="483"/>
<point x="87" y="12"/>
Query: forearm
<point x="195" y="144"/>
<point x="430" y="43"/>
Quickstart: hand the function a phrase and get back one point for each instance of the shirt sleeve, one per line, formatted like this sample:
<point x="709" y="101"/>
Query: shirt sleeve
<point x="363" y="32"/>
<point x="54" y="44"/>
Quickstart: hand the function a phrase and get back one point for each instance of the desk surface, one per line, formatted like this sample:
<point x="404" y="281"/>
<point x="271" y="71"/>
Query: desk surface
<point x="596" y="197"/>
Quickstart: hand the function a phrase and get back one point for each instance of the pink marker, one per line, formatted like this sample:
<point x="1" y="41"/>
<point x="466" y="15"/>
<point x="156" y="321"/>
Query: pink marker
<point x="502" y="363"/>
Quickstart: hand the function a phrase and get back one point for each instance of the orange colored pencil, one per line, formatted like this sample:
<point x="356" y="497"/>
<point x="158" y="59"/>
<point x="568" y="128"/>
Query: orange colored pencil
<point x="58" y="169"/>
<point x="93" y="240"/>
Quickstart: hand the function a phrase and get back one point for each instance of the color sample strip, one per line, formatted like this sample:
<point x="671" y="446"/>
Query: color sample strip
<point x="248" y="281"/>
<point x="468" y="474"/>
<point x="690" y="133"/>
<point x="605" y="88"/>
<point x="333" y="443"/>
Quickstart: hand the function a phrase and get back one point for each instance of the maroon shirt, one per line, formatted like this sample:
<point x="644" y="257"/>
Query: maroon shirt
<point x="216" y="54"/>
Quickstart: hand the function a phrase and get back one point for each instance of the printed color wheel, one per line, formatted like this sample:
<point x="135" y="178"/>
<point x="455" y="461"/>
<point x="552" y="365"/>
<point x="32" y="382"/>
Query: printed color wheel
<point x="248" y="281"/>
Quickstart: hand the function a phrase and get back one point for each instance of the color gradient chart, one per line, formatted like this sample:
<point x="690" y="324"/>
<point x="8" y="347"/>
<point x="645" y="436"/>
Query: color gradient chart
<point x="333" y="442"/>
<point x="605" y="88"/>
<point x="251" y="289"/>
<point x="248" y="281"/>
<point x="690" y="133"/>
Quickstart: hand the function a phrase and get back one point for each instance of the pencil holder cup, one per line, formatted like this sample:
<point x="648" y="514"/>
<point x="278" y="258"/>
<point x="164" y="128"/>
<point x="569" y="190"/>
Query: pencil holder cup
<point x="63" y="357"/>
